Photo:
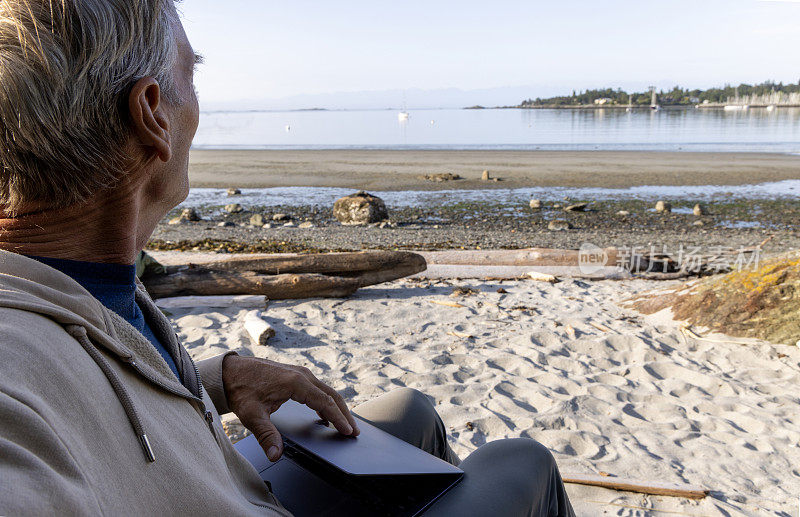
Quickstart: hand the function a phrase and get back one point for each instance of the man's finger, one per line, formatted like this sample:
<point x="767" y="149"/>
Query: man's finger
<point x="267" y="435"/>
<point x="342" y="405"/>
<point x="325" y="405"/>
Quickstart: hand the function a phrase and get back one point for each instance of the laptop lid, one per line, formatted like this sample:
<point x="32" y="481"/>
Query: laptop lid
<point x="372" y="453"/>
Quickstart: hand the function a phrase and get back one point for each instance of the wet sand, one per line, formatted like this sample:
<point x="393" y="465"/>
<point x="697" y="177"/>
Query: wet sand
<point x="401" y="170"/>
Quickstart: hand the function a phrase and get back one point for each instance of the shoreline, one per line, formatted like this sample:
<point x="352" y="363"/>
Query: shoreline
<point x="393" y="170"/>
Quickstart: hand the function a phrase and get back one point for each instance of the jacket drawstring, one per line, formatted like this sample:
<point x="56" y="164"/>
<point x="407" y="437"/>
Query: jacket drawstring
<point x="79" y="333"/>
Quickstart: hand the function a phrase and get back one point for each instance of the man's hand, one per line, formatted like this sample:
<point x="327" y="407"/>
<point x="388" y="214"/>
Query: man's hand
<point x="256" y="388"/>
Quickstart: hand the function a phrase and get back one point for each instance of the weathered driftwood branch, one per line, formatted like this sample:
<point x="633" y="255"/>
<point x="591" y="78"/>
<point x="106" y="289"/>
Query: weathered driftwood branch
<point x="338" y="264"/>
<point x="642" y="487"/>
<point x="524" y="257"/>
<point x="200" y="281"/>
<point x="283" y="277"/>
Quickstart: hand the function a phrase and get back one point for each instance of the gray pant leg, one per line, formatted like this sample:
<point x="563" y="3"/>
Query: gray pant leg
<point x="503" y="478"/>
<point x="409" y="415"/>
<point x="515" y="477"/>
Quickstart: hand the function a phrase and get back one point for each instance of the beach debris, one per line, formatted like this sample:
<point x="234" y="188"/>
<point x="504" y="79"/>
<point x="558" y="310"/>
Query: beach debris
<point x="500" y="290"/>
<point x="570" y="331"/>
<point x="761" y="300"/>
<point x="290" y="224"/>
<point x="637" y="486"/>
<point x="577" y="207"/>
<point x="463" y="291"/>
<point x="257" y="220"/>
<point x="599" y="326"/>
<point x="234" y="208"/>
<point x="359" y="209"/>
<point x="267" y="226"/>
<point x="699" y="210"/>
<point x="558" y="225"/>
<point x="485" y="176"/>
<point x="448" y="304"/>
<point x="698" y="223"/>
<point x="233" y="191"/>
<point x="175" y="220"/>
<point x="280" y="217"/>
<point x="496" y="180"/>
<point x="470" y="426"/>
<point x="226" y="224"/>
<point x="461" y="335"/>
<point x="663" y="206"/>
<point x="259" y="330"/>
<point x="306" y="224"/>
<point x="535" y="204"/>
<point x="543" y="277"/>
<point x="283" y="277"/>
<point x="623" y="212"/>
<point x="440" y="177"/>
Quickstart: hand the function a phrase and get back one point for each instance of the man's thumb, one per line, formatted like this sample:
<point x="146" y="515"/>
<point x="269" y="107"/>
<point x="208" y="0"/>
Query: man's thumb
<point x="267" y="435"/>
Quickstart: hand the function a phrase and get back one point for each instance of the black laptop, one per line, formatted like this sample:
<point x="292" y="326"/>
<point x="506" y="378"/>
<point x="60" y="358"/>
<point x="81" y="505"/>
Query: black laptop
<point x="325" y="473"/>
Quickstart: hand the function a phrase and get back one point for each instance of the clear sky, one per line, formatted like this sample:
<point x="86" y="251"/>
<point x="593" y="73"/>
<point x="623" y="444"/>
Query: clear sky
<point x="259" y="49"/>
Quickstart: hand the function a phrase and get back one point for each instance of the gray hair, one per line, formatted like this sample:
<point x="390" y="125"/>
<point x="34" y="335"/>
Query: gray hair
<point x="66" y="69"/>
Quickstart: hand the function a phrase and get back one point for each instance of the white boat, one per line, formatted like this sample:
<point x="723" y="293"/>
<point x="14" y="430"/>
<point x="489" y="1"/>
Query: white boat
<point x="771" y="107"/>
<point x="735" y="107"/>
<point x="402" y="116"/>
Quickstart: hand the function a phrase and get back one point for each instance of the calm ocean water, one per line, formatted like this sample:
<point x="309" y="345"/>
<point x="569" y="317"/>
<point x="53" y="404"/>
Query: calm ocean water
<point x="752" y="130"/>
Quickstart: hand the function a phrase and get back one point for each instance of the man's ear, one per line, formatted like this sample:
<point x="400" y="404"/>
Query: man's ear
<point x="147" y="116"/>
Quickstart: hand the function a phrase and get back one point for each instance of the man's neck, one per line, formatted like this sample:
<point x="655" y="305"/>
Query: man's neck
<point x="108" y="228"/>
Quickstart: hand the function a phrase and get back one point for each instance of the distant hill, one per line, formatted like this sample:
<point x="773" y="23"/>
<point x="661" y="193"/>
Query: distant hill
<point x="676" y="97"/>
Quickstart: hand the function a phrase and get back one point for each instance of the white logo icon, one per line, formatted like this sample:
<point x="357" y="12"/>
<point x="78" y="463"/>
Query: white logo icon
<point x="591" y="258"/>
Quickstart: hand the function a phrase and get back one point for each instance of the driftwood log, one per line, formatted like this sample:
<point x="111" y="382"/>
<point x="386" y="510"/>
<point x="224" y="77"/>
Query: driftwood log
<point x="282" y="277"/>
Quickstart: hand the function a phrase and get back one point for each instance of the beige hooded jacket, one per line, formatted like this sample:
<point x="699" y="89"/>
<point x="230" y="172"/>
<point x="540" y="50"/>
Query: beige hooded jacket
<point x="93" y="421"/>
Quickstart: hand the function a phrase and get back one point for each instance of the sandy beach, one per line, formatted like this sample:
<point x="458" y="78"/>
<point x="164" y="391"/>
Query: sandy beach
<point x="606" y="389"/>
<point x="400" y="170"/>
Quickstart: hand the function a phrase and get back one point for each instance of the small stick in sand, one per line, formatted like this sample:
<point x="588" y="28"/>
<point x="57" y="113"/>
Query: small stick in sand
<point x="259" y="330"/>
<point x="460" y="334"/>
<point x="570" y="331"/>
<point x="599" y="327"/>
<point x="642" y="487"/>
<point x="447" y="304"/>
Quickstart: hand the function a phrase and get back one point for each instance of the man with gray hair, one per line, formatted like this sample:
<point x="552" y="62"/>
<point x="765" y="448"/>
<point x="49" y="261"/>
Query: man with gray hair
<point x="102" y="411"/>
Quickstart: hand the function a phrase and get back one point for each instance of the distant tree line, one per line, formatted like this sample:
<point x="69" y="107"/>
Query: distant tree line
<point x="675" y="97"/>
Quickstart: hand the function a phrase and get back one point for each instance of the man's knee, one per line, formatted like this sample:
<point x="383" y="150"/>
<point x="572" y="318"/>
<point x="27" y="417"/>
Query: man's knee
<point x="523" y="454"/>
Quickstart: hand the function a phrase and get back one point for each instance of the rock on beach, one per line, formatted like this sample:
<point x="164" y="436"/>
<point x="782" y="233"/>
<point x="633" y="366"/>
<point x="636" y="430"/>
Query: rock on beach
<point x="663" y="207"/>
<point x="360" y="208"/>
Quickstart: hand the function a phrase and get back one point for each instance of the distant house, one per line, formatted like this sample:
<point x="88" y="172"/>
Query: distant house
<point x="603" y="100"/>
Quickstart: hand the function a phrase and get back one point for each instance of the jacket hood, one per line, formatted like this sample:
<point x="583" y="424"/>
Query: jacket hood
<point x="27" y="284"/>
